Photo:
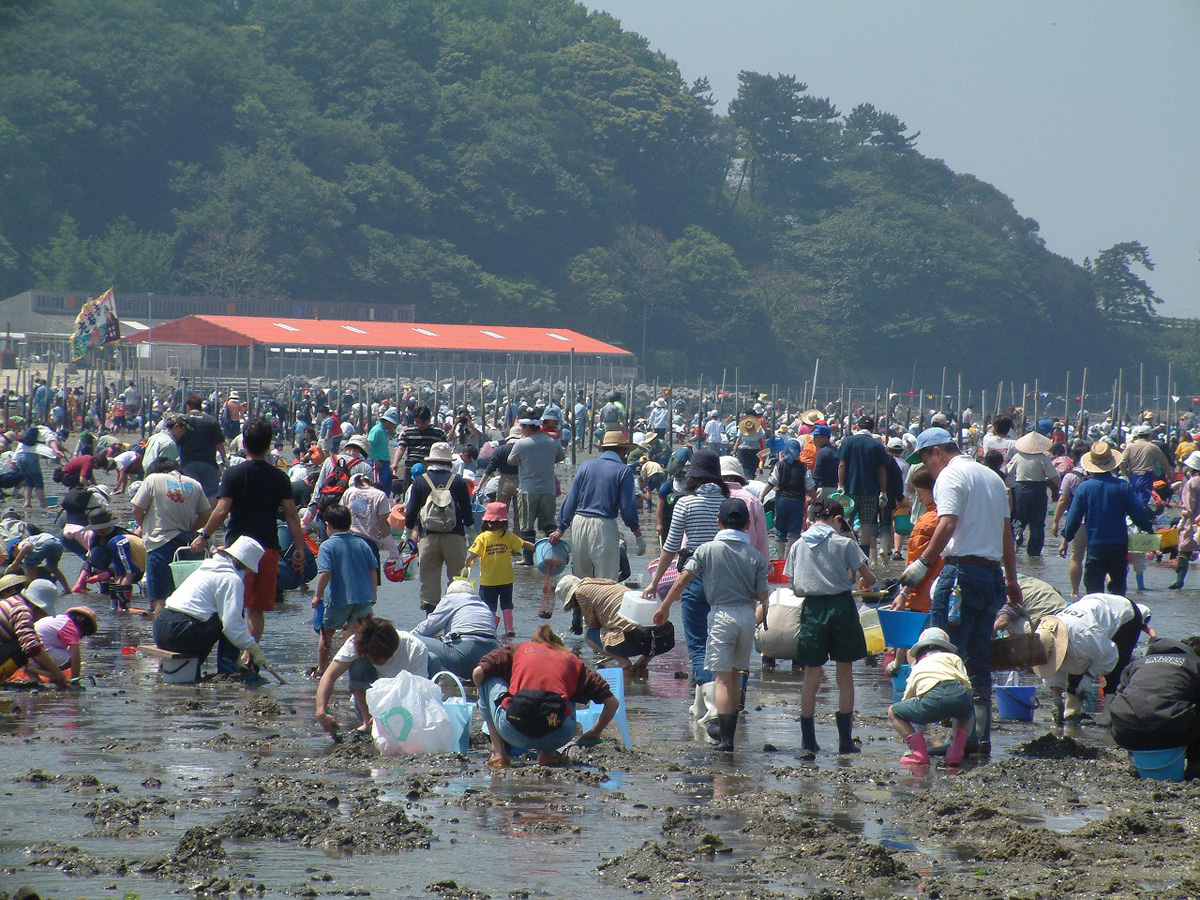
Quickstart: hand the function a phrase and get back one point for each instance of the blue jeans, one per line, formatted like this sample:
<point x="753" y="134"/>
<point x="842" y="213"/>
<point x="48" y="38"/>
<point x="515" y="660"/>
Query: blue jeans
<point x="789" y="517"/>
<point x="983" y="594"/>
<point x="496" y="717"/>
<point x="160" y="583"/>
<point x="694" y="607"/>
<point x="207" y="474"/>
<point x="461" y="657"/>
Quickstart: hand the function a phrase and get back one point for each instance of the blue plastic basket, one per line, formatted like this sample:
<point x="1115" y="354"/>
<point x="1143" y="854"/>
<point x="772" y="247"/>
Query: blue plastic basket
<point x="902" y="628"/>
<point x="1159" y="765"/>
<point x="551" y="558"/>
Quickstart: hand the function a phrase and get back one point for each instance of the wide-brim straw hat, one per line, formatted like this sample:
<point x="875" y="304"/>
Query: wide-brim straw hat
<point x="750" y="424"/>
<point x="1101" y="458"/>
<point x="811" y="416"/>
<point x="1033" y="443"/>
<point x="614" y="440"/>
<point x="8" y="582"/>
<point x="932" y="639"/>
<point x="88" y="613"/>
<point x="1052" y="632"/>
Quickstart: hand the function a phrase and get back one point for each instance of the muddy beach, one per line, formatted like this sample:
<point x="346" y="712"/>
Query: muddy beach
<point x="133" y="787"/>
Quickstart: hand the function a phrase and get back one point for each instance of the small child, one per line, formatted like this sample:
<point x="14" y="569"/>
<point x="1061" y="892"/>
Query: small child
<point x="494" y="549"/>
<point x="938" y="688"/>
<point x="346" y="590"/>
<point x="820" y="565"/>
<point x="62" y="635"/>
<point x="735" y="580"/>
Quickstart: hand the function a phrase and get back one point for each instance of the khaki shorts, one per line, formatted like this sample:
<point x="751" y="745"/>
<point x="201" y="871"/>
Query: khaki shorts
<point x="1078" y="548"/>
<point x="730" y="638"/>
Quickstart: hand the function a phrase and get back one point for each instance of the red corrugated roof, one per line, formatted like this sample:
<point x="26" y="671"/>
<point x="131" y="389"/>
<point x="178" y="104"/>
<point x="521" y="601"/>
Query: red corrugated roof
<point x="229" y="331"/>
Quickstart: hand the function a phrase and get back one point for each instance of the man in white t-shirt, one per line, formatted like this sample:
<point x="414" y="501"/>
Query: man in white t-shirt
<point x="714" y="433"/>
<point x="998" y="438"/>
<point x="169" y="508"/>
<point x="974" y="537"/>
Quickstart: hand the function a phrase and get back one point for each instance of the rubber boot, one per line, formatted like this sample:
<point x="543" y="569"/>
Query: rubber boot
<point x="808" y="736"/>
<point x="713" y="728"/>
<point x="527" y="555"/>
<point x="709" y="692"/>
<point x="958" y="746"/>
<point x="576" y="621"/>
<point x="121" y="596"/>
<point x="845" y="722"/>
<point x="918" y="750"/>
<point x="1141" y="580"/>
<point x="507" y="615"/>
<point x="727" y="723"/>
<point x="81" y="583"/>
<point x="697" y="708"/>
<point x="1181" y="569"/>
<point x="983" y="730"/>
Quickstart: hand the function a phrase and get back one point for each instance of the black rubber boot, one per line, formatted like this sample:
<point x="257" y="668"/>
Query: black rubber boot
<point x="1181" y="570"/>
<point x="727" y="723"/>
<point x="527" y="555"/>
<point x="983" y="729"/>
<point x="808" y="736"/>
<point x="846" y="744"/>
<point x="714" y="729"/>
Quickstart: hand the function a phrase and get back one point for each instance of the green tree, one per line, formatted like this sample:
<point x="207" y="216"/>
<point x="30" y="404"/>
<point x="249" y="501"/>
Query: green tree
<point x="64" y="262"/>
<point x="1119" y="290"/>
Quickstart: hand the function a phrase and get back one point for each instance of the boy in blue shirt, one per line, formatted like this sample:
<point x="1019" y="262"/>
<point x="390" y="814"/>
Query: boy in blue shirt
<point x="346" y="588"/>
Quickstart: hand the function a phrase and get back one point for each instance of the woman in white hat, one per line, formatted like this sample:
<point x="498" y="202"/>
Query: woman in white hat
<point x="1189" y="502"/>
<point x="206" y="610"/>
<point x="19" y="641"/>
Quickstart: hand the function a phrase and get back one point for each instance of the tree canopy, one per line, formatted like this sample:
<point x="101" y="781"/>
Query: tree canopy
<point x="515" y="161"/>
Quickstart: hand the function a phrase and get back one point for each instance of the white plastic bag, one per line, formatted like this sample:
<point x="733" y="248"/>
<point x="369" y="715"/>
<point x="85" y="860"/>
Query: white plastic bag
<point x="409" y="717"/>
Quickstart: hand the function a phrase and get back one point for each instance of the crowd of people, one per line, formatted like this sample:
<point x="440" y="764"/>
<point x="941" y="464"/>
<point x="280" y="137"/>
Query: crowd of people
<point x="766" y="520"/>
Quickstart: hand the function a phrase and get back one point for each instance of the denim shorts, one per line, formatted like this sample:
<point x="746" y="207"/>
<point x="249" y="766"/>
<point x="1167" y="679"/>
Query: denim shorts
<point x="945" y="700"/>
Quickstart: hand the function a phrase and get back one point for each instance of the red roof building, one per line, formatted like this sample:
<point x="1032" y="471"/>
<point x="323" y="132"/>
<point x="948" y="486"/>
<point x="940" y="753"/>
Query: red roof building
<point x="269" y="347"/>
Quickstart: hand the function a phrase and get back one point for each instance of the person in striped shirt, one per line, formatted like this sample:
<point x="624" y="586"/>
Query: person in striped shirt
<point x="19" y="641"/>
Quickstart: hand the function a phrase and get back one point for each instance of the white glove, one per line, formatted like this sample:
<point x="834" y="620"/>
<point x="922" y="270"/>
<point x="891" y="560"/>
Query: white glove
<point x="640" y="544"/>
<point x="913" y="574"/>
<point x="883" y="499"/>
<point x="256" y="655"/>
<point x="307" y="519"/>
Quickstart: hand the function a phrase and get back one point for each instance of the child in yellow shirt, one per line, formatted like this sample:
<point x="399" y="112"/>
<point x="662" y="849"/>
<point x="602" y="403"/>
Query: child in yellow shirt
<point x="938" y="688"/>
<point x="494" y="548"/>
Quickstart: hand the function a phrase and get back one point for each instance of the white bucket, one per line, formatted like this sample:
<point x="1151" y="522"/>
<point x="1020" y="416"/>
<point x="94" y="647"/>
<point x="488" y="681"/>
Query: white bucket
<point x="181" y="671"/>
<point x="636" y="610"/>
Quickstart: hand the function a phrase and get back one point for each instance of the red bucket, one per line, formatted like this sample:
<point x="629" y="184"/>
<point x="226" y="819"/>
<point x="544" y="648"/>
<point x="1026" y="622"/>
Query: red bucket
<point x="775" y="572"/>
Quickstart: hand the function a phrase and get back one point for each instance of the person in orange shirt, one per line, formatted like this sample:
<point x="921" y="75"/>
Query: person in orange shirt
<point x="920" y="598"/>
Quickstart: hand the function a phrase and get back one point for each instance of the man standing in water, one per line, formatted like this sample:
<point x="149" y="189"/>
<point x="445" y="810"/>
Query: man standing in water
<point x="974" y="537"/>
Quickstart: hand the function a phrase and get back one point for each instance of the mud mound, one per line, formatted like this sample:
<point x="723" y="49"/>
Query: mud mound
<point x="451" y="891"/>
<point x="872" y="861"/>
<point x="84" y="784"/>
<point x="262" y="706"/>
<point x="198" y="851"/>
<point x="376" y="828"/>
<point x="73" y="861"/>
<point x="121" y="817"/>
<point x="1034" y="845"/>
<point x="652" y="866"/>
<point x="1051" y="746"/>
<point x="1133" y="826"/>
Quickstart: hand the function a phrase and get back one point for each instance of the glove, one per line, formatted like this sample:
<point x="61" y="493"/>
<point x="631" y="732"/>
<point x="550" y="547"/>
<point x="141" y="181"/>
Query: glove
<point x="307" y="519"/>
<point x="913" y="574"/>
<point x="640" y="544"/>
<point x="256" y="655"/>
<point x="1072" y="706"/>
<point x="883" y="499"/>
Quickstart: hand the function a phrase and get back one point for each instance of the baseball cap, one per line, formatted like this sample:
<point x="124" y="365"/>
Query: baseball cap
<point x="822" y="430"/>
<point x="930" y="437"/>
<point x="734" y="513"/>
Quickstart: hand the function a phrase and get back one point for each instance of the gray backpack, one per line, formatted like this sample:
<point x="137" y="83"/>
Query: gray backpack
<point x="439" y="515"/>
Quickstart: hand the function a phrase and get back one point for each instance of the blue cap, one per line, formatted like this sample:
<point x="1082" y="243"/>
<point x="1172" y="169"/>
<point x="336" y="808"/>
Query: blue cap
<point x="824" y="430"/>
<point x="930" y="437"/>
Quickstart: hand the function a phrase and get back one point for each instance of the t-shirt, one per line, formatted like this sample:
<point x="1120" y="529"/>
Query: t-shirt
<point x="417" y="442"/>
<point x="160" y="445"/>
<point x="58" y="635"/>
<point x="379" y="442"/>
<point x="535" y="456"/>
<point x="1030" y="467"/>
<point x="820" y="563"/>
<point x="199" y="443"/>
<point x="979" y="498"/>
<point x="127" y="459"/>
<point x="366" y="505"/>
<point x="495" y="550"/>
<point x="734" y="572"/>
<point x="171" y="502"/>
<point x="256" y="488"/>
<point x="714" y="432"/>
<point x="825" y="469"/>
<point x="351" y="565"/>
<point x="992" y="442"/>
<point x="410" y="656"/>
<point x="80" y="465"/>
<point x="863" y="456"/>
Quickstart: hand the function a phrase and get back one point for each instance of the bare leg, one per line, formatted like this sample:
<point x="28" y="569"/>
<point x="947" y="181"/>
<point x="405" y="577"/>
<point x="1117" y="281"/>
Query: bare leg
<point x="845" y="683"/>
<point x="808" y="691"/>
<point x="360" y="704"/>
<point x="903" y="728"/>
<point x="499" y="757"/>
<point x="727" y="691"/>
<point x="324" y="641"/>
<point x="1075" y="574"/>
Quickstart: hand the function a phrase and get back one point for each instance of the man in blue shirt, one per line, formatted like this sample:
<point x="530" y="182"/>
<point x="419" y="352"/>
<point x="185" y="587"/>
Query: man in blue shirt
<point x="862" y="474"/>
<point x="603" y="489"/>
<point x="1100" y="505"/>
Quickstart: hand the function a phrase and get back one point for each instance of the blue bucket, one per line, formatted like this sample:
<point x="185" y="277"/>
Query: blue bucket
<point x="900" y="682"/>
<point x="902" y="628"/>
<point x="1159" y="765"/>
<point x="551" y="558"/>
<point x="1016" y="702"/>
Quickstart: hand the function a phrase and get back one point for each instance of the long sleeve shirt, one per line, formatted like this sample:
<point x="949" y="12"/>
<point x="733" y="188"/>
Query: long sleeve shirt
<point x="603" y="489"/>
<point x="215" y="588"/>
<point x="439" y="475"/>
<point x="16" y="623"/>
<point x="1101" y="504"/>
<point x="462" y="614"/>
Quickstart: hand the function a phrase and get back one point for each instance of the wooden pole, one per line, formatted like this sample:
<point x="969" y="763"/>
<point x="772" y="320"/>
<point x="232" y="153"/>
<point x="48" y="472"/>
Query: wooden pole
<point x="1067" y="408"/>
<point x="569" y="414"/>
<point x="958" y="408"/>
<point x="1141" y="388"/>
<point x="813" y="395"/>
<point x="1082" y="403"/>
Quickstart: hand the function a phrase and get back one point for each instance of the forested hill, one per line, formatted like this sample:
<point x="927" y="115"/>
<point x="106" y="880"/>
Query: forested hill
<point x="513" y="161"/>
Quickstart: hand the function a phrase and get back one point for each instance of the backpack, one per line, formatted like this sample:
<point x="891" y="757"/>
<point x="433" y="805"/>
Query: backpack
<point x="335" y="484"/>
<point x="439" y="515"/>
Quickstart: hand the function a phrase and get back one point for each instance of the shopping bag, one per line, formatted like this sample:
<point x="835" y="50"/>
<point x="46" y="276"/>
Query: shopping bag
<point x="459" y="709"/>
<point x="408" y="717"/>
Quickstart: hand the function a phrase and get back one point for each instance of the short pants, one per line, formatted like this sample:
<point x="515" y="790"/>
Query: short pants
<point x="867" y="507"/>
<point x="945" y="700"/>
<point x="730" y="638"/>
<point x="497" y="596"/>
<point x="335" y="619"/>
<point x="260" y="585"/>
<point x="829" y="629"/>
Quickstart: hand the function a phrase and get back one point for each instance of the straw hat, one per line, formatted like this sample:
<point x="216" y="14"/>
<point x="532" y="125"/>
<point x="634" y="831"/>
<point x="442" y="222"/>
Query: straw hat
<point x="1033" y="443"/>
<point x="811" y="416"/>
<point x="660" y="403"/>
<point x="932" y="639"/>
<point x="750" y="424"/>
<point x="1101" y="458"/>
<point x="565" y="590"/>
<point x="245" y="550"/>
<point x="1052" y="632"/>
<point x="87" y="613"/>
<point x="11" y="582"/>
<point x="614" y="440"/>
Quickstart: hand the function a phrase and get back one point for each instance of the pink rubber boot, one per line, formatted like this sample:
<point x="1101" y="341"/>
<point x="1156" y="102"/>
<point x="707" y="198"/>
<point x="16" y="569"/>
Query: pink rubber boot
<point x="508" y="622"/>
<point x="81" y="583"/>
<point x="918" y="752"/>
<point x="954" y="753"/>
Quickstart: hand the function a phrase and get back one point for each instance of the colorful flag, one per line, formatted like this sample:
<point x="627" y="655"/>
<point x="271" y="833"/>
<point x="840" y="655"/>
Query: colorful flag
<point x="96" y="326"/>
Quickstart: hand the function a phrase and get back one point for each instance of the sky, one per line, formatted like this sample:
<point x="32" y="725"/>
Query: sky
<point x="1085" y="112"/>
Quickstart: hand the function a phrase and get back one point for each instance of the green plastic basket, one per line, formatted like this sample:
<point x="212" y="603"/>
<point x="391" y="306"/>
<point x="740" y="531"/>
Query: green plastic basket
<point x="182" y="568"/>
<point x="1143" y="543"/>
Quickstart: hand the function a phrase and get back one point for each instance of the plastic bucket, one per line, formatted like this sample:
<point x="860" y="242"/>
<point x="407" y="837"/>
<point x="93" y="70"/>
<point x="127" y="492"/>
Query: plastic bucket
<point x="551" y="558"/>
<point x="869" y="620"/>
<point x="182" y="568"/>
<point x="775" y="572"/>
<point x="902" y="628"/>
<point x="900" y="681"/>
<point x="1016" y="702"/>
<point x="770" y="517"/>
<point x="182" y="671"/>
<point x="902" y="523"/>
<point x="1159" y="765"/>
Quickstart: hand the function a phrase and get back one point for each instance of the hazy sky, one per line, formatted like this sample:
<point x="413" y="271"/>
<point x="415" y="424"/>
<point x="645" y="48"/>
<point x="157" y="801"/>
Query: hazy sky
<point x="1085" y="113"/>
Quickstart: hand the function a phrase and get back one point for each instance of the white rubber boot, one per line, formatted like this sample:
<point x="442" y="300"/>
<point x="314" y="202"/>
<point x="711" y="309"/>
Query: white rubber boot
<point x="709" y="696"/>
<point x="698" y="706"/>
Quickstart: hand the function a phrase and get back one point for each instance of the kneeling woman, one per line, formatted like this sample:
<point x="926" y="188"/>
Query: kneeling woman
<point x="528" y="692"/>
<point x="1157" y="706"/>
<point x="374" y="650"/>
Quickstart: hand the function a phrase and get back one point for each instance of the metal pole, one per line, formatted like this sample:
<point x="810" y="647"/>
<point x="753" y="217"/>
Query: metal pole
<point x="813" y="395"/>
<point x="569" y="414"/>
<point x="1082" y="403"/>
